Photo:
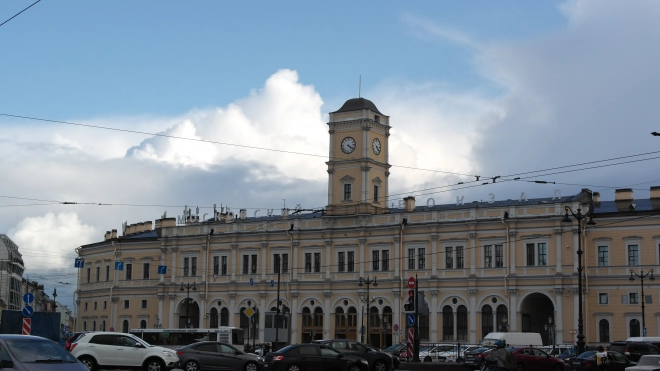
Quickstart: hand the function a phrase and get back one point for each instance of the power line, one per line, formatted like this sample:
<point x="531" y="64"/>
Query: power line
<point x="16" y="15"/>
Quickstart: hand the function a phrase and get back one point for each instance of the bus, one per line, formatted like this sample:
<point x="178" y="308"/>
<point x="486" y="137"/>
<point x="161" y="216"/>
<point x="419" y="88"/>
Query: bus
<point x="171" y="337"/>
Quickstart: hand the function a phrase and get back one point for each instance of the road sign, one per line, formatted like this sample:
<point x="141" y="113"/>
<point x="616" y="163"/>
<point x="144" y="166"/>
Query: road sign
<point x="411" y="283"/>
<point x="411" y="319"/>
<point x="80" y="263"/>
<point x="251" y="282"/>
<point x="69" y="334"/>
<point x="119" y="266"/>
<point x="162" y="269"/>
<point x="249" y="312"/>
<point x="28" y="298"/>
<point x="396" y="327"/>
<point x="644" y="331"/>
<point x="28" y="310"/>
<point x="272" y="283"/>
<point x="27" y="326"/>
<point x="411" y="342"/>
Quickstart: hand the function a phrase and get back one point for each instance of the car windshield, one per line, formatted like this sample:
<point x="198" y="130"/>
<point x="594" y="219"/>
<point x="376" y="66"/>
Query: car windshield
<point x="35" y="351"/>
<point x="141" y="341"/>
<point x="649" y="361"/>
<point x="394" y="347"/>
<point x="287" y="348"/>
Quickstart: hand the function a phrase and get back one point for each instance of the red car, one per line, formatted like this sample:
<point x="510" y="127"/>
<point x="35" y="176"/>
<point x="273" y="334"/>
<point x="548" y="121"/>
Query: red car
<point x="72" y="339"/>
<point x="536" y="360"/>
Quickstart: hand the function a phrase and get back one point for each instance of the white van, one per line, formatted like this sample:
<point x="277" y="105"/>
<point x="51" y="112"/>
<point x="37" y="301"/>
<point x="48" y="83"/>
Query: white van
<point x="512" y="339"/>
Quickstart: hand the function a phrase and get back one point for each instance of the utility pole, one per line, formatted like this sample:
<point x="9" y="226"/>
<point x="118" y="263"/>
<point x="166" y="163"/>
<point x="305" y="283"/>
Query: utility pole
<point x="416" y="335"/>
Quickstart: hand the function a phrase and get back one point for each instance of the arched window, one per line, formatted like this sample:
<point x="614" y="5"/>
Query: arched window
<point x="340" y="317"/>
<point x="318" y="317"/>
<point x="224" y="317"/>
<point x="502" y="319"/>
<point x="214" y="318"/>
<point x="124" y="326"/>
<point x="604" y="330"/>
<point x="103" y="326"/>
<point x="306" y="317"/>
<point x="447" y="323"/>
<point x="486" y="320"/>
<point x="462" y="323"/>
<point x="352" y="317"/>
<point x="143" y="324"/>
<point x="634" y="328"/>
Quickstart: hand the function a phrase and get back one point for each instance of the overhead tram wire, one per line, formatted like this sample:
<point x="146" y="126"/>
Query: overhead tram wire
<point x="16" y="15"/>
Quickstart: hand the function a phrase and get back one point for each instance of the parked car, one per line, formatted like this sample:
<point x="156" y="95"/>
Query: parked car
<point x="475" y="358"/>
<point x="587" y="362"/>
<point x="465" y="349"/>
<point x="396" y="349"/>
<point x="567" y="354"/>
<point x="213" y="355"/>
<point x="633" y="350"/>
<point x="309" y="357"/>
<point x="119" y="350"/>
<point x="648" y="362"/>
<point x="378" y="360"/>
<point x="72" y="339"/>
<point x="25" y="352"/>
<point x="555" y="350"/>
<point x="536" y="359"/>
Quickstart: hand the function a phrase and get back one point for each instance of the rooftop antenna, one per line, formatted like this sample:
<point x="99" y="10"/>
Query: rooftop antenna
<point x="360" y="87"/>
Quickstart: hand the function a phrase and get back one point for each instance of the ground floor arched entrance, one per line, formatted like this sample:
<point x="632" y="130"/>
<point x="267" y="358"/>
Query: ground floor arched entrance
<point x="537" y="314"/>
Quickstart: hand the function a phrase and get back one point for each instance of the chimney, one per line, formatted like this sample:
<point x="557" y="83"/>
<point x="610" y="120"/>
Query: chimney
<point x="107" y="235"/>
<point x="623" y="198"/>
<point x="146" y="227"/>
<point x="139" y="227"/>
<point x="168" y="222"/>
<point x="655" y="197"/>
<point x="159" y="223"/>
<point x="131" y="229"/>
<point x="114" y="233"/>
<point x="596" y="196"/>
<point x="409" y="203"/>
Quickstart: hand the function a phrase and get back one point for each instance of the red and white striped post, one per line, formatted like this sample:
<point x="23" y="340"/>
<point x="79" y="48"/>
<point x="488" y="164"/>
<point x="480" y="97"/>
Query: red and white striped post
<point x="27" y="326"/>
<point x="411" y="342"/>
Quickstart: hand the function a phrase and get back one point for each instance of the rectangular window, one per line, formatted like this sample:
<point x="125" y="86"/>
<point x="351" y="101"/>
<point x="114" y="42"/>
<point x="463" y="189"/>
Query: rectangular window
<point x="281" y="261"/>
<point x="308" y="262"/>
<point x="411" y="258"/>
<point x="246" y="264"/>
<point x="459" y="257"/>
<point x="143" y="304"/>
<point x="543" y="254"/>
<point x="145" y="271"/>
<point x="193" y="266"/>
<point x="317" y="262"/>
<point x="421" y="254"/>
<point x="341" y="256"/>
<point x="531" y="256"/>
<point x="386" y="260"/>
<point x="129" y="271"/>
<point x="633" y="255"/>
<point x="285" y="263"/>
<point x="602" y="298"/>
<point x="105" y="304"/>
<point x="254" y="264"/>
<point x="375" y="260"/>
<point x="127" y="304"/>
<point x="186" y="266"/>
<point x="449" y="257"/>
<point x="107" y="273"/>
<point x="375" y="194"/>
<point x="98" y="274"/>
<point x="96" y="305"/>
<point x="89" y="274"/>
<point x="634" y="298"/>
<point x="347" y="192"/>
<point x="224" y="265"/>
<point x="488" y="256"/>
<point x="351" y="262"/>
<point x="499" y="256"/>
<point x="603" y="256"/>
<point x="216" y="265"/>
<point x="86" y="306"/>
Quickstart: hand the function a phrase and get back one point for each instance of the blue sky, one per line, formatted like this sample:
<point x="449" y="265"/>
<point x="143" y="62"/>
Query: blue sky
<point x="479" y="88"/>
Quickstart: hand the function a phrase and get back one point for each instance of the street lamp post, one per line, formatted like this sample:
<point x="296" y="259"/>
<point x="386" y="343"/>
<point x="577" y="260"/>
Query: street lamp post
<point x="579" y="217"/>
<point x="55" y="299"/>
<point x="641" y="276"/>
<point x="550" y="330"/>
<point x="367" y="300"/>
<point x="188" y="286"/>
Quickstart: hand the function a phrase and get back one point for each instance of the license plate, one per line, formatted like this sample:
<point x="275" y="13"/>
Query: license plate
<point x="577" y="363"/>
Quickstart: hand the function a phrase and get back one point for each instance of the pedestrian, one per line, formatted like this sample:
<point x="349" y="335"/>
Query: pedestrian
<point x="601" y="358"/>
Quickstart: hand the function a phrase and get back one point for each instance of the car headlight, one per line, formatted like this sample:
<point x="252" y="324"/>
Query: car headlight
<point x="169" y="353"/>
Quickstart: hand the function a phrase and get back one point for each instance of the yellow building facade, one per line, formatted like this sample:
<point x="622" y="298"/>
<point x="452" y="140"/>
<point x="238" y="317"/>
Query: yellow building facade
<point x="483" y="266"/>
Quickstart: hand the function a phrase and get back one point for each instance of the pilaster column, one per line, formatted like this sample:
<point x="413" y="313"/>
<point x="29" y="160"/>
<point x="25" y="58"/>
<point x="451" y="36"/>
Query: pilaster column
<point x="455" y="315"/>
<point x="328" y="259"/>
<point x="173" y="271"/>
<point x="296" y="247"/>
<point x="362" y="242"/>
<point x="205" y="269"/>
<point x="330" y="178"/>
<point x="472" y="325"/>
<point x="433" y="314"/>
<point x="202" y="311"/>
<point x="558" y="233"/>
<point x="434" y="256"/>
<point x="232" y="310"/>
<point x="295" y="318"/>
<point x="396" y="311"/>
<point x="326" y="315"/>
<point x="262" y="315"/>
<point x="234" y="254"/>
<point x="512" y="252"/>
<point x="114" y="300"/>
<point x="161" y="299"/>
<point x="559" y="316"/>
<point x="264" y="259"/>
<point x="514" y="318"/>
<point x="397" y="257"/>
<point x="473" y="254"/>
<point x="170" y="319"/>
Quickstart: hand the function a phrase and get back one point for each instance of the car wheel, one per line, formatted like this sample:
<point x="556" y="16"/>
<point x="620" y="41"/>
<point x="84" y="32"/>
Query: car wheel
<point x="521" y="367"/>
<point x="428" y="359"/>
<point x="154" y="365"/>
<point x="557" y="367"/>
<point x="381" y="366"/>
<point x="89" y="362"/>
<point x="191" y="366"/>
<point x="251" y="366"/>
<point x="293" y="368"/>
<point x="355" y="367"/>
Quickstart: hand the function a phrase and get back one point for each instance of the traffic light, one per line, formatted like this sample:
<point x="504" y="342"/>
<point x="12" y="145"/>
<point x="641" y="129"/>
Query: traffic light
<point x="410" y="305"/>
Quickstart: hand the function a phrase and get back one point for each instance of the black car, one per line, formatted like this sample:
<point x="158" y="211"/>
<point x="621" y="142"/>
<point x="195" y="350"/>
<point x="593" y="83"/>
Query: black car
<point x="587" y="362"/>
<point x="633" y="350"/>
<point x="475" y="358"/>
<point x="312" y="357"/>
<point x="378" y="360"/>
<point x="216" y="355"/>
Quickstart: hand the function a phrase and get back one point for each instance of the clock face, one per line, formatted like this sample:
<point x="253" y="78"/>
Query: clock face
<point x="376" y="146"/>
<point x="348" y="145"/>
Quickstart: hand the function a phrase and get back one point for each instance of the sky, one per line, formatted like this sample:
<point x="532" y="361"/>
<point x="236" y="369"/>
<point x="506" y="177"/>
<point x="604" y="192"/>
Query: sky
<point x="93" y="93"/>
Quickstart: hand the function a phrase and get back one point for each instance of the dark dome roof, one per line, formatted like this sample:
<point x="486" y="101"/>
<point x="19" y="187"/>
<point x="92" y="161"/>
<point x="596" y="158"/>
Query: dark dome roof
<point x="357" y="104"/>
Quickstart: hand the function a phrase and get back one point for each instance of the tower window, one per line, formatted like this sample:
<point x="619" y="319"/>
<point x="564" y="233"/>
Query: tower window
<point x="377" y="118"/>
<point x="348" y="188"/>
<point x="376" y="194"/>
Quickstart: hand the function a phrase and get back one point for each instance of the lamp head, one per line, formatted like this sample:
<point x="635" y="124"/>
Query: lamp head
<point x="360" y="282"/>
<point x="652" y="278"/>
<point x="194" y="288"/>
<point x="566" y="218"/>
<point x="631" y="276"/>
<point x="591" y="220"/>
<point x="181" y="286"/>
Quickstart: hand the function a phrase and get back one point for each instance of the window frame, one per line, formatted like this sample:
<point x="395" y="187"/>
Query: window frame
<point x="602" y="295"/>
<point x="541" y="252"/>
<point x="146" y="271"/>
<point x="128" y="275"/>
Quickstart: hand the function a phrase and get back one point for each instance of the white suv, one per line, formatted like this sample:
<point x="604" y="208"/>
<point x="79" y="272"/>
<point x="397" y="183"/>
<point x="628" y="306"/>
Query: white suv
<point x="101" y="350"/>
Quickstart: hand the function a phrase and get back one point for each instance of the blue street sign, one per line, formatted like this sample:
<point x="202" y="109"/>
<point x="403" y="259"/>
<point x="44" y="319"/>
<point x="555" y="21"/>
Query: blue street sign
<point x="251" y="282"/>
<point x="411" y="319"/>
<point x="70" y="334"/>
<point x="28" y="298"/>
<point x="119" y="266"/>
<point x="272" y="283"/>
<point x="162" y="269"/>
<point x="80" y="263"/>
<point x="644" y="331"/>
<point x="28" y="310"/>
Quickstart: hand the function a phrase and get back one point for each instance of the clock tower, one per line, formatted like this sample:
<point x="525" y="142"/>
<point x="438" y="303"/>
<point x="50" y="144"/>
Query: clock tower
<point x="358" y="168"/>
